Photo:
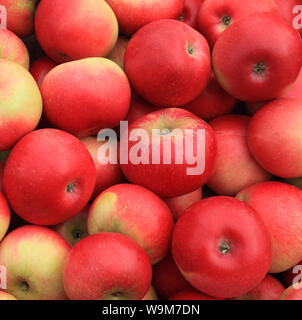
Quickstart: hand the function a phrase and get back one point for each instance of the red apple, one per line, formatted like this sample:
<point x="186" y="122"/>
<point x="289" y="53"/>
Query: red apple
<point x="268" y="289"/>
<point x="49" y="177"/>
<point x="167" y="279"/>
<point x="34" y="258"/>
<point x="178" y="205"/>
<point x="132" y="15"/>
<point x="266" y="62"/>
<point x="235" y="167"/>
<point x="85" y="96"/>
<point x="280" y="206"/>
<point x="291" y="294"/>
<point x="222" y="247"/>
<point x="75" y="29"/>
<point x="136" y="212"/>
<point x="123" y="269"/>
<point x="149" y="162"/>
<point x="295" y="91"/>
<point x="191" y="294"/>
<point x="20" y="103"/>
<point x="40" y="68"/>
<point x="168" y="63"/>
<point x="117" y="54"/>
<point x="274" y="137"/>
<point x="5" y="216"/>
<point x="212" y="102"/>
<point x="151" y="294"/>
<point x="215" y="16"/>
<point x="107" y="174"/>
<point x="190" y="12"/>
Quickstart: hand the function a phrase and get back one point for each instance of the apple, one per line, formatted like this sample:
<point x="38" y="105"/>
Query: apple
<point x="151" y="294"/>
<point x="132" y="15"/>
<point x="49" y="177"/>
<point x="266" y="62"/>
<point x="168" y="63"/>
<point x="268" y="289"/>
<point x="179" y="204"/>
<point x="235" y="167"/>
<point x="5" y="216"/>
<point x="6" y="296"/>
<point x="123" y="269"/>
<point x="222" y="247"/>
<point x="13" y="48"/>
<point x="215" y="16"/>
<point x="191" y="294"/>
<point x="20" y="16"/>
<point x="212" y="102"/>
<point x="74" y="229"/>
<point x="291" y="294"/>
<point x="85" y="96"/>
<point x="169" y="175"/>
<point x="108" y="174"/>
<point x="167" y="279"/>
<point x="280" y="206"/>
<point x="136" y="212"/>
<point x="190" y="13"/>
<point x="34" y="270"/>
<point x="117" y="54"/>
<point x="20" y="103"/>
<point x="40" y="68"/>
<point x="75" y="29"/>
<point x="274" y="137"/>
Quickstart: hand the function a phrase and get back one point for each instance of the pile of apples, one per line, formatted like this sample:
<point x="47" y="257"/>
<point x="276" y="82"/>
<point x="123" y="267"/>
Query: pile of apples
<point x="78" y="223"/>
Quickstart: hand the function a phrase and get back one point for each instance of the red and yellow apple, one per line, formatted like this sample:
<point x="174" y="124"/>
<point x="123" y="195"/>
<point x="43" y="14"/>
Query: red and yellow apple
<point x="5" y="216"/>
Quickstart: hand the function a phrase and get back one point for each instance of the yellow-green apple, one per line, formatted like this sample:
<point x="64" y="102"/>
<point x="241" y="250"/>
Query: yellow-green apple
<point x="13" y="48"/>
<point x="74" y="229"/>
<point x="133" y="14"/>
<point x="274" y="137"/>
<point x="175" y="155"/>
<point x="85" y="96"/>
<point x="109" y="173"/>
<point x="291" y="293"/>
<point x="268" y="289"/>
<point x="280" y="207"/>
<point x="190" y="11"/>
<point x="168" y="63"/>
<point x="117" y="54"/>
<point x="6" y="296"/>
<point x="20" y="16"/>
<point x="151" y="294"/>
<point x="216" y="15"/>
<point x="123" y="269"/>
<point x="266" y="63"/>
<point x="136" y="212"/>
<point x="52" y="158"/>
<point x="178" y="205"/>
<point x="235" y="167"/>
<point x="40" y="68"/>
<point x="75" y="29"/>
<point x="34" y="258"/>
<point x="20" y="103"/>
<point x="5" y="216"/>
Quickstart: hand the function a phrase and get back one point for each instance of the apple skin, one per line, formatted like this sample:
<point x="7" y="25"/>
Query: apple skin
<point x="151" y="294"/>
<point x="212" y="102"/>
<point x="133" y="15"/>
<point x="222" y="247"/>
<point x="136" y="212"/>
<point x="6" y="296"/>
<point x="167" y="279"/>
<point x="108" y="174"/>
<point x="13" y="48"/>
<point x="178" y="205"/>
<point x="20" y="103"/>
<point x="280" y="206"/>
<point x="117" y="54"/>
<point x="124" y="269"/>
<point x="158" y="177"/>
<point x="95" y="89"/>
<point x="191" y="294"/>
<point x="5" y="216"/>
<point x="87" y="28"/>
<point x="245" y="44"/>
<point x="168" y="63"/>
<point x="292" y="294"/>
<point x="190" y="13"/>
<point x="34" y="271"/>
<point x="274" y="137"/>
<point x="20" y="16"/>
<point x="74" y="229"/>
<point x="211" y="15"/>
<point x="38" y="196"/>
<point x="40" y="68"/>
<point x="268" y="289"/>
<point x="235" y="167"/>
